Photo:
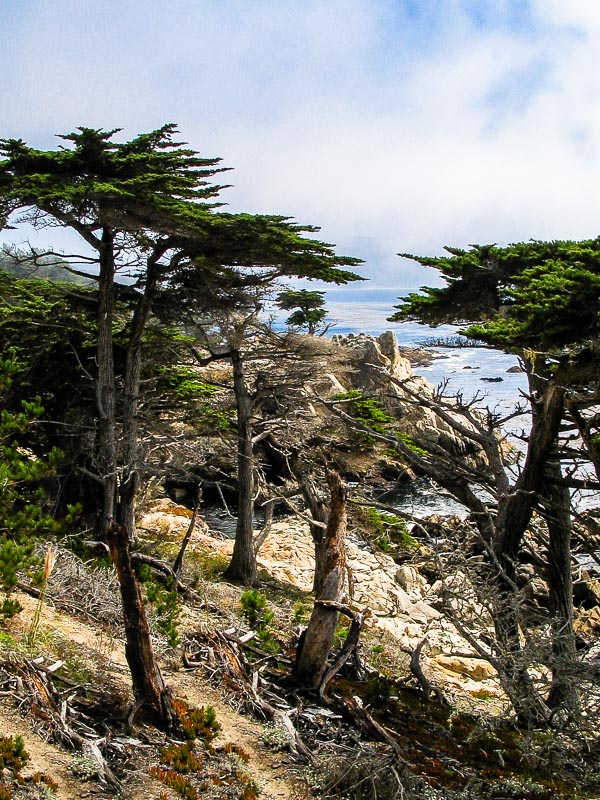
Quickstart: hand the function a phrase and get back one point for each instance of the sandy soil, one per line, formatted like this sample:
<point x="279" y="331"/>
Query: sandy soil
<point x="272" y="771"/>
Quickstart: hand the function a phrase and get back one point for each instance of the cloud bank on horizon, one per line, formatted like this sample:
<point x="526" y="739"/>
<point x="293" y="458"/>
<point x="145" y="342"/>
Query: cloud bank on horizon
<point x="395" y="125"/>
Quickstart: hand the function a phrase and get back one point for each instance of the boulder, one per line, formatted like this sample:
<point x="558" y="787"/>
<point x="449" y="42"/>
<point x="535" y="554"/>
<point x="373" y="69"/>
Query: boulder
<point x="475" y="668"/>
<point x="409" y="579"/>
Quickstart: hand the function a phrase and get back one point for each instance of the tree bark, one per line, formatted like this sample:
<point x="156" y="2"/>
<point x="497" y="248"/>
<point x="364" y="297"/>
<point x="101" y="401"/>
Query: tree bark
<point x="178" y="563"/>
<point x="105" y="384"/>
<point x="315" y="647"/>
<point x="515" y="510"/>
<point x="319" y="514"/>
<point x="131" y="391"/>
<point x="514" y="514"/>
<point x="242" y="566"/>
<point x="149" y="689"/>
<point x="563" y="692"/>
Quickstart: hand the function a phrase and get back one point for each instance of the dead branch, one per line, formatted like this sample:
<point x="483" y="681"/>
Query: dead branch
<point x="350" y="645"/>
<point x="165" y="571"/>
<point x="178" y="563"/>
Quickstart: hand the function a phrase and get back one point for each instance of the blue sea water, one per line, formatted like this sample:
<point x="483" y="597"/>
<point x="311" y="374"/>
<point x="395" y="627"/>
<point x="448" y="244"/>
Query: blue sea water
<point x="463" y="370"/>
<point x="365" y="310"/>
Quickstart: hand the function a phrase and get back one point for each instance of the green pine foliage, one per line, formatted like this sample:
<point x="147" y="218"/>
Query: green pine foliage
<point x="152" y="184"/>
<point x="366" y="411"/>
<point x="259" y="617"/>
<point x="166" y="603"/>
<point x="388" y="530"/>
<point x="539" y="295"/>
<point x="23" y="516"/>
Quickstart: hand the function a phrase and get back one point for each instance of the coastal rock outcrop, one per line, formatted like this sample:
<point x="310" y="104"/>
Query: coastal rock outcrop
<point x="381" y="370"/>
<point x="399" y="599"/>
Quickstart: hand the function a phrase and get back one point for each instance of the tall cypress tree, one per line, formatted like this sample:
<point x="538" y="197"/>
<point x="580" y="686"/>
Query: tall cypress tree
<point x="541" y="301"/>
<point x="145" y="209"/>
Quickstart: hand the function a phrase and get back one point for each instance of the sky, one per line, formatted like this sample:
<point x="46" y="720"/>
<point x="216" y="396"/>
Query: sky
<point x="394" y="125"/>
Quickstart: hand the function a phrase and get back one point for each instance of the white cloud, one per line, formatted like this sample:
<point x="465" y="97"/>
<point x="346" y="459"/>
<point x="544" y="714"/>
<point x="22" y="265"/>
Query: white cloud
<point x="461" y="123"/>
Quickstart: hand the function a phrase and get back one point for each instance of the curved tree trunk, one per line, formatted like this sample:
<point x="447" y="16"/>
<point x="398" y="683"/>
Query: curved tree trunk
<point x="314" y="648"/>
<point x="149" y="689"/>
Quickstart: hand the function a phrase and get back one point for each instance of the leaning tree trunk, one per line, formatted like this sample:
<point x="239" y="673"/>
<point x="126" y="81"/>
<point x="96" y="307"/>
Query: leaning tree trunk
<point x="316" y="644"/>
<point x="151" y="695"/>
<point x="242" y="566"/>
<point x="514" y="515"/>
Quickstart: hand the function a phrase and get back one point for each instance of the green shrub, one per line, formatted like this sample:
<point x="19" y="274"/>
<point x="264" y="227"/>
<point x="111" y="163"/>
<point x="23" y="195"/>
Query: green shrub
<point x="259" y="617"/>
<point x="254" y="609"/>
<point x="13" y="755"/>
<point x="166" y="603"/>
<point x="387" y="530"/>
<point x="368" y="412"/>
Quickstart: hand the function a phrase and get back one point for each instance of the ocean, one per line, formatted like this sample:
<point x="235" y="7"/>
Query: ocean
<point x="470" y="370"/>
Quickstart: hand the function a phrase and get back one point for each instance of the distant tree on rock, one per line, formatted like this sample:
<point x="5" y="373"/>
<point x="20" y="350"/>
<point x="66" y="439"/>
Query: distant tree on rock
<point x="310" y="309"/>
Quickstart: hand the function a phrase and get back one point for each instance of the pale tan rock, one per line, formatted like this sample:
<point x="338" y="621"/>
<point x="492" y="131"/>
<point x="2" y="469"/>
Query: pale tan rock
<point x="474" y="668"/>
<point x="409" y="579"/>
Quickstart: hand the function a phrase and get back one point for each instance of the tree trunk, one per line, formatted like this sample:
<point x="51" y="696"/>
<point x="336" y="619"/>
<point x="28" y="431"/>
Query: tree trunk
<point x="314" y="648"/>
<point x="149" y="689"/>
<point x="514" y="514"/>
<point x="131" y="390"/>
<point x="563" y="692"/>
<point x="105" y="384"/>
<point x="148" y="686"/>
<point x="319" y="514"/>
<point x="178" y="563"/>
<point x="242" y="567"/>
<point x="515" y="510"/>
